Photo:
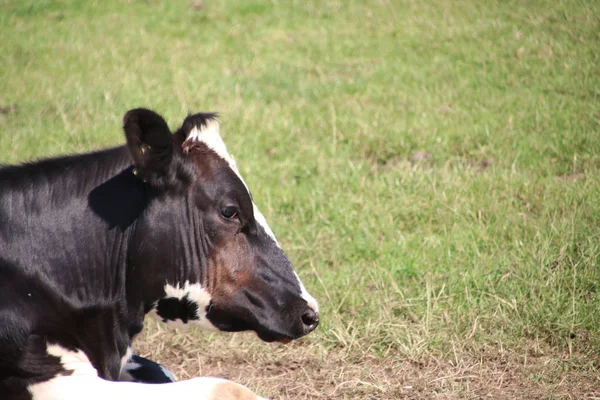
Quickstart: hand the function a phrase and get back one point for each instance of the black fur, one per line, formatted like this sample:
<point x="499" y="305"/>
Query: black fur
<point x="172" y="308"/>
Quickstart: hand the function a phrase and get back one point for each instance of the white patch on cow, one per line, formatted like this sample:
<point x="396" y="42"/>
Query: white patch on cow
<point x="312" y="302"/>
<point x="66" y="388"/>
<point x="75" y="361"/>
<point x="260" y="219"/>
<point x="210" y="136"/>
<point x="131" y="365"/>
<point x="126" y="358"/>
<point x="195" y="293"/>
<point x="95" y="388"/>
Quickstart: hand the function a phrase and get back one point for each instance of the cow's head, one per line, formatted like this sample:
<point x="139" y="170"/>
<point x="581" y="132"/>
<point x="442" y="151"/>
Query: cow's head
<point x="202" y="249"/>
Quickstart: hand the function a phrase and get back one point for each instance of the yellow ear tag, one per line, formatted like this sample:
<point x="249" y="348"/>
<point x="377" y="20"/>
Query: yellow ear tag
<point x="135" y="171"/>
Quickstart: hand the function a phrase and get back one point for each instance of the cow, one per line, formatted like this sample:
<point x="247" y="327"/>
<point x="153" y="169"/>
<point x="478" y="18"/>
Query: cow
<point x="164" y="225"/>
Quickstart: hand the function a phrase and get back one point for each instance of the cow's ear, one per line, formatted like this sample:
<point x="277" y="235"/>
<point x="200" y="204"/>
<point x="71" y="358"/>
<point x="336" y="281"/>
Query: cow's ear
<point x="158" y="161"/>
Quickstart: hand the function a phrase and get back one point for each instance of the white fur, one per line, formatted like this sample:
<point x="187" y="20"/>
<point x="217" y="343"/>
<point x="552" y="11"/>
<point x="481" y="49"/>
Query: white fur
<point x="94" y="388"/>
<point x="210" y="136"/>
<point x="196" y="293"/>
<point x="312" y="302"/>
<point x="260" y="218"/>
<point x="84" y="383"/>
<point x="125" y="359"/>
<point x="75" y="361"/>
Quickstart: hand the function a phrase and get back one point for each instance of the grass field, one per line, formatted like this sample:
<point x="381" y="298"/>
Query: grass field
<point x="431" y="167"/>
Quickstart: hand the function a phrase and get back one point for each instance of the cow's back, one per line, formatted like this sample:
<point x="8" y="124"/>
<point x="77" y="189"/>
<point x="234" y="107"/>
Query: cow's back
<point x="48" y="224"/>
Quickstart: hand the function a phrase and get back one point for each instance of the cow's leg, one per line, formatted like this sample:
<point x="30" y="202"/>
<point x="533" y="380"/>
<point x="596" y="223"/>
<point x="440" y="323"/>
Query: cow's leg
<point x="140" y="369"/>
<point x="94" y="388"/>
<point x="79" y="380"/>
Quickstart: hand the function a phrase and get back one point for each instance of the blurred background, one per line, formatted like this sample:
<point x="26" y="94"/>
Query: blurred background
<point x="431" y="168"/>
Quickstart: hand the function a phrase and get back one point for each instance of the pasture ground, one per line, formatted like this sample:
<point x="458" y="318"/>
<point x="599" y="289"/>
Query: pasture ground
<point x="431" y="168"/>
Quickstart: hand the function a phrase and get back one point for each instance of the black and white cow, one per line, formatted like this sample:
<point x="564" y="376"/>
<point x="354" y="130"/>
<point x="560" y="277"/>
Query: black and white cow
<point x="91" y="243"/>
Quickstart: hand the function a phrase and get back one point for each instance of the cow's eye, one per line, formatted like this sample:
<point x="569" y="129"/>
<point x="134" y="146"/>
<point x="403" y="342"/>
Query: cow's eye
<point x="230" y="212"/>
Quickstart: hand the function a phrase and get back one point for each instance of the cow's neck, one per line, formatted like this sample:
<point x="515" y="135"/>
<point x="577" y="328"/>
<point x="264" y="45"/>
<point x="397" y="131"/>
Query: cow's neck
<point x="168" y="251"/>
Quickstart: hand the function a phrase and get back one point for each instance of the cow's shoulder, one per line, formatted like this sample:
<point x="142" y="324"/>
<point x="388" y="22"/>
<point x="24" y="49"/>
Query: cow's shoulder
<point x="32" y="304"/>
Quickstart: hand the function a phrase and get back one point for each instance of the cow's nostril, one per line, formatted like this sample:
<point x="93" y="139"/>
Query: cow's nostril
<point x="310" y="319"/>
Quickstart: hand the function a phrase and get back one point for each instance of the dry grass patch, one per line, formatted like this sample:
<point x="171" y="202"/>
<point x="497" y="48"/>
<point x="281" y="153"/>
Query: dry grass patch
<point x="307" y="370"/>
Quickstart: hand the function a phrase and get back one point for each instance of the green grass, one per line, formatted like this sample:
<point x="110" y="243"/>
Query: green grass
<point x="492" y="240"/>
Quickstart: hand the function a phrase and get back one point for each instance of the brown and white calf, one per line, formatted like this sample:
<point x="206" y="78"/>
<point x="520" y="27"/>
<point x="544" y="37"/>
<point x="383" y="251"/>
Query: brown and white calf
<point x="91" y="243"/>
